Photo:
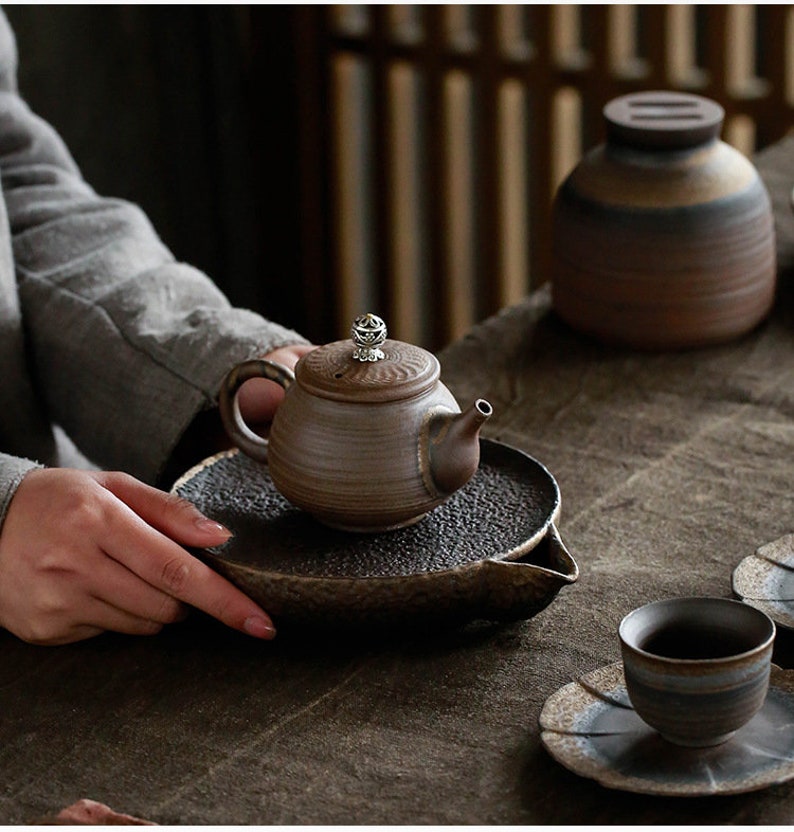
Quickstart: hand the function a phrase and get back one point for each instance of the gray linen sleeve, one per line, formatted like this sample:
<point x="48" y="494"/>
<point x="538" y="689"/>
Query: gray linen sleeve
<point x="12" y="470"/>
<point x="128" y="344"/>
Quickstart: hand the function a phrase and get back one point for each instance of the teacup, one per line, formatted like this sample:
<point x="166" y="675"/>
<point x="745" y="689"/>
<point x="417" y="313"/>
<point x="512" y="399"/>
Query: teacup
<point x="697" y="669"/>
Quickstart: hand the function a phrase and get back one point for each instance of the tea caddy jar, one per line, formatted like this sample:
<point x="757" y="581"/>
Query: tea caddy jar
<point x="663" y="237"/>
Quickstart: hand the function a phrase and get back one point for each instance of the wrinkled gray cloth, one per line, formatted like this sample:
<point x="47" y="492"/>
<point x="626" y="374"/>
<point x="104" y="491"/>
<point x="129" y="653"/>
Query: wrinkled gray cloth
<point x="102" y="333"/>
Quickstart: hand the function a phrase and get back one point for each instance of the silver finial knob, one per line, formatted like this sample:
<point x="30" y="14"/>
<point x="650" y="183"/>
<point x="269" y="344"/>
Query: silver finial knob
<point x="369" y="332"/>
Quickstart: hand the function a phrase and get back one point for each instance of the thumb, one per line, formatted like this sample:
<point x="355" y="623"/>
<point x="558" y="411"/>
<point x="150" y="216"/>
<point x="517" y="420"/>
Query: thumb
<point x="170" y="514"/>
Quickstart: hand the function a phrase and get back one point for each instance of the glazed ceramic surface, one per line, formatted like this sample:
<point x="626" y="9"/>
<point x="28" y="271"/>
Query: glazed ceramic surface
<point x="697" y="669"/>
<point x="765" y="580"/>
<point x="367" y="437"/>
<point x="590" y="727"/>
<point x="663" y="237"/>
<point x="490" y="552"/>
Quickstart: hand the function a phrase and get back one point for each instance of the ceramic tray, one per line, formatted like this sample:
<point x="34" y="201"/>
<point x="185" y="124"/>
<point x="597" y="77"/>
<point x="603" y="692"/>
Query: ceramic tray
<point x="490" y="552"/>
<point x="765" y="580"/>
<point x="590" y="727"/>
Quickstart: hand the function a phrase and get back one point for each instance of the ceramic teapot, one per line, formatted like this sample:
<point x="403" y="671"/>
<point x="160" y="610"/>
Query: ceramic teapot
<point x="367" y="438"/>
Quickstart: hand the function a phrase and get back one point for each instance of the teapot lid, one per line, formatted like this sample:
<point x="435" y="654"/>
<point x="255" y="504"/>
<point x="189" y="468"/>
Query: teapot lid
<point x="368" y="368"/>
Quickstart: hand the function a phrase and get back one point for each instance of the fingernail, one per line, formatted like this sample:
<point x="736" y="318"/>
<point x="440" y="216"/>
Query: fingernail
<point x="212" y="527"/>
<point x="257" y="627"/>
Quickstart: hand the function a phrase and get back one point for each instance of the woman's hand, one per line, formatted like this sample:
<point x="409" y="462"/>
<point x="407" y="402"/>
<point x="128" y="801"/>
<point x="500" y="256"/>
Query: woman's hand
<point x="82" y="552"/>
<point x="258" y="398"/>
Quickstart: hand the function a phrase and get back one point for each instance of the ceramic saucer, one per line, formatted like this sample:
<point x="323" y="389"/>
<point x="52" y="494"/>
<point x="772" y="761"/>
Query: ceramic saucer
<point x="590" y="727"/>
<point x="491" y="552"/>
<point x="765" y="580"/>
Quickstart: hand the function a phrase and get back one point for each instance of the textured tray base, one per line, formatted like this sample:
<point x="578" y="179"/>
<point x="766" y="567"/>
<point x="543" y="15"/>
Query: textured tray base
<point x="477" y="555"/>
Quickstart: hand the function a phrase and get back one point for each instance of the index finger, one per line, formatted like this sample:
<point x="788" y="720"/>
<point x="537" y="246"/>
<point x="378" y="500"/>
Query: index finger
<point x="164" y="564"/>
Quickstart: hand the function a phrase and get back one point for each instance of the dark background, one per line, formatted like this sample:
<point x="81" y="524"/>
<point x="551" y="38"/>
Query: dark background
<point x="222" y="122"/>
<point x="191" y="112"/>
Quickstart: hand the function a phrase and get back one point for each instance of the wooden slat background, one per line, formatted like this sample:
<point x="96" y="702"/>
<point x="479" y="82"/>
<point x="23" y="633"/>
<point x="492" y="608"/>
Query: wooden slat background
<point x="435" y="137"/>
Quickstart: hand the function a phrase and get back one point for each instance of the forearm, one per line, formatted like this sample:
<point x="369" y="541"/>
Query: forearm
<point x="128" y="344"/>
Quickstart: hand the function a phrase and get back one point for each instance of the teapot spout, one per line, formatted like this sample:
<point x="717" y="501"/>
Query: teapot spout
<point x="454" y="447"/>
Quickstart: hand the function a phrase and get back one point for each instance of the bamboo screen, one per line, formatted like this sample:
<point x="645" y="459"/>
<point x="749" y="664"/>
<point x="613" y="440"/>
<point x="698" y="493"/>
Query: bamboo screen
<point x="439" y="134"/>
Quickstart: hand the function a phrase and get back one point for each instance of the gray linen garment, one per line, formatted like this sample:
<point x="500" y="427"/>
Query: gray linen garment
<point x="103" y="336"/>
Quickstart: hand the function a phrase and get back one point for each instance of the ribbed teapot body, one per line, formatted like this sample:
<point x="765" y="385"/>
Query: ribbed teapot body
<point x="367" y="437"/>
<point x="356" y="466"/>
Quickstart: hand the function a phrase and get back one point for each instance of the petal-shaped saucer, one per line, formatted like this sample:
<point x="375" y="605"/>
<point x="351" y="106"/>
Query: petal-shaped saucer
<point x="765" y="580"/>
<point x="590" y="727"/>
<point x="490" y="552"/>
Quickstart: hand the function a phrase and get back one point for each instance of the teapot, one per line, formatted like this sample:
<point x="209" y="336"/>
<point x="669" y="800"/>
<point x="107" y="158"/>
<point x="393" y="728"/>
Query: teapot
<point x="367" y="438"/>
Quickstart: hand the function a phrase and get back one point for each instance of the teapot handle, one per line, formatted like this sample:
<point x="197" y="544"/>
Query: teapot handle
<point x="243" y="437"/>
